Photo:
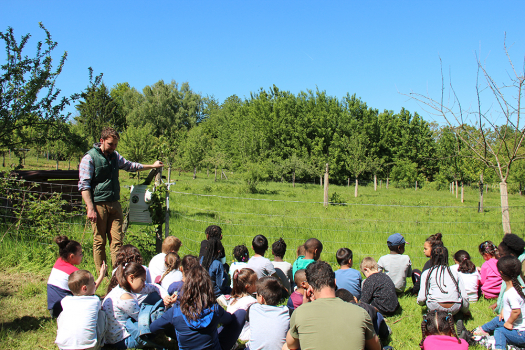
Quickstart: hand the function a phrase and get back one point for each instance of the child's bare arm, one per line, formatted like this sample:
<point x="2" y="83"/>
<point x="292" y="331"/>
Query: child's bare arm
<point x="101" y="275"/>
<point x="513" y="317"/>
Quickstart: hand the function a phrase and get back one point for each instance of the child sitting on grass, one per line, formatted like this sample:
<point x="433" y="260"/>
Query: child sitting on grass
<point x="283" y="268"/>
<point x="313" y="249"/>
<point x="296" y="298"/>
<point x="241" y="255"/>
<point x="242" y="296"/>
<point x="81" y="324"/>
<point x="121" y="303"/>
<point x="211" y="261"/>
<point x="439" y="333"/>
<point x="269" y="323"/>
<point x="347" y="277"/>
<point x="489" y="275"/>
<point x="188" y="262"/>
<point x="378" y="289"/>
<point x="212" y="231"/>
<point x="396" y="265"/>
<point x="70" y="254"/>
<point x="171" y="244"/>
<point x="258" y="263"/>
<point x="172" y="272"/>
<point x="509" y="325"/>
<point x="467" y="272"/>
<point x="440" y="288"/>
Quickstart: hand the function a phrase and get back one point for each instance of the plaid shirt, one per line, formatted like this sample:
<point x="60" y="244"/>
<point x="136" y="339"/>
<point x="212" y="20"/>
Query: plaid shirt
<point x="87" y="169"/>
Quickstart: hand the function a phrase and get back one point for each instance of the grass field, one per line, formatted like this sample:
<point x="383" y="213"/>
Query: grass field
<point x="278" y="210"/>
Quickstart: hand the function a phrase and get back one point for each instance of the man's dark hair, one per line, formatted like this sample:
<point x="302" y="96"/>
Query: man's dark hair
<point x="109" y="132"/>
<point x="343" y="256"/>
<point x="260" y="244"/>
<point x="319" y="275"/>
<point x="269" y="288"/>
<point x="345" y="295"/>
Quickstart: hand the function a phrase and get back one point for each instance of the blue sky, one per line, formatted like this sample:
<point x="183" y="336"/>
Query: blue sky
<point x="375" y="49"/>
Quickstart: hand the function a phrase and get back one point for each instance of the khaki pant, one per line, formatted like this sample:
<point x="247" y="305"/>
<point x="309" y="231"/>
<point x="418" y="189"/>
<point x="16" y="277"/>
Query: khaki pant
<point x="108" y="225"/>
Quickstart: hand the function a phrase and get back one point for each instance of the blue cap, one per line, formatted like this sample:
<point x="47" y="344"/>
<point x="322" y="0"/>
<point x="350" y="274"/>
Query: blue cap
<point x="395" y="239"/>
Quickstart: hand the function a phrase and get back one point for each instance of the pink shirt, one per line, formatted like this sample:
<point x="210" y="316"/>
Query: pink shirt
<point x="490" y="279"/>
<point x="440" y="342"/>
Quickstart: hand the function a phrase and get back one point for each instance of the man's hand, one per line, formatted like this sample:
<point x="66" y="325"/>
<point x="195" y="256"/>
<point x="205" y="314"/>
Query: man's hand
<point x="158" y="164"/>
<point x="92" y="215"/>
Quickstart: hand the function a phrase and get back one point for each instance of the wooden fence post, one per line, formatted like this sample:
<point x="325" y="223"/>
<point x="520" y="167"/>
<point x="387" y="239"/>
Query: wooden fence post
<point x="462" y="197"/>
<point x="326" y="186"/>
<point x="375" y="182"/>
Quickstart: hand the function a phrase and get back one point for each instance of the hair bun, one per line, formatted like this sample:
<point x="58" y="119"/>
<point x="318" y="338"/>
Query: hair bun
<point x="438" y="235"/>
<point x="62" y="241"/>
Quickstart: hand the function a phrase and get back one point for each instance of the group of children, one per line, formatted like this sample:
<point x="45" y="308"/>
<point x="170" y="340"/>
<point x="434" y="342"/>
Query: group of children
<point x="196" y="294"/>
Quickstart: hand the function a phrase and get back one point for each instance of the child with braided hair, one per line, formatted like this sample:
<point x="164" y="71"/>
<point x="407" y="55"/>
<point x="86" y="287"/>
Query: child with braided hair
<point x="490" y="277"/>
<point x="172" y="273"/>
<point x="439" y="333"/>
<point x="242" y="296"/>
<point x="440" y="288"/>
<point x="509" y="325"/>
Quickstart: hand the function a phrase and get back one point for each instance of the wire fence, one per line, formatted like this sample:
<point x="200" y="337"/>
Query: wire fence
<point x="362" y="227"/>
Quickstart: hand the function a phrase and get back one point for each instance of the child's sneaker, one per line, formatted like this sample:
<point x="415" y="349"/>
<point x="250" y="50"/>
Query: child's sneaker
<point x="479" y="331"/>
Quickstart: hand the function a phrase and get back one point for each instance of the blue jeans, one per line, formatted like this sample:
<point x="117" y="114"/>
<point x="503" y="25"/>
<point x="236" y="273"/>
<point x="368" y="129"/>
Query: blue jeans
<point x="502" y="335"/>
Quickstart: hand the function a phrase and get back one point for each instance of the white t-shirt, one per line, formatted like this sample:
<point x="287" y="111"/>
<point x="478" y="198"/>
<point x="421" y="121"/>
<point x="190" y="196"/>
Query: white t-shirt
<point x="157" y="266"/>
<point x="242" y="304"/>
<point x="173" y="276"/>
<point x="77" y="323"/>
<point x="261" y="265"/>
<point x="284" y="271"/>
<point x="471" y="281"/>
<point x="398" y="267"/>
<point x="236" y="265"/>
<point x="512" y="300"/>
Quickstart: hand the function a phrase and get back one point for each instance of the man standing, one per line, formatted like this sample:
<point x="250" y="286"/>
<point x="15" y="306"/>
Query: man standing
<point x="327" y="322"/>
<point x="99" y="185"/>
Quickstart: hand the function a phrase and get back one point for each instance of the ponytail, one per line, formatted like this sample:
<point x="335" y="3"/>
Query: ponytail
<point x="172" y="262"/>
<point x="241" y="280"/>
<point x="121" y="274"/>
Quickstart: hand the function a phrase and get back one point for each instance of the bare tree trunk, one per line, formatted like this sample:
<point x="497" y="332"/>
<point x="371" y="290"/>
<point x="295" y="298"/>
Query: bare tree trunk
<point x="47" y="155"/>
<point x="57" y="161"/>
<point x="215" y="180"/>
<point x="456" y="188"/>
<point x="505" y="217"/>
<point x="293" y="179"/>
<point x="321" y="180"/>
<point x="481" y="192"/>
<point x="69" y="164"/>
<point x="194" y="173"/>
<point x="348" y="182"/>
<point x="416" y="185"/>
<point x="326" y="186"/>
<point x="169" y="174"/>
<point x="356" y="187"/>
<point x="462" y="196"/>
<point x="375" y="182"/>
<point x="387" y="183"/>
<point x="36" y="157"/>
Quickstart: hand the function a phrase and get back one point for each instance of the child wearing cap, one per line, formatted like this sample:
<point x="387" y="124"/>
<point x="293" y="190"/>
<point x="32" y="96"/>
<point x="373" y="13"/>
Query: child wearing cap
<point x="396" y="265"/>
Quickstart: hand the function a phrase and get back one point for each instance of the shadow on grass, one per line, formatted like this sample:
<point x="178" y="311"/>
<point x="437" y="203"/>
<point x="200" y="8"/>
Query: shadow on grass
<point x="25" y="324"/>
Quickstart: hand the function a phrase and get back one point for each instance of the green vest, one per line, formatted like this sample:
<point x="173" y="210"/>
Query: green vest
<point x="104" y="184"/>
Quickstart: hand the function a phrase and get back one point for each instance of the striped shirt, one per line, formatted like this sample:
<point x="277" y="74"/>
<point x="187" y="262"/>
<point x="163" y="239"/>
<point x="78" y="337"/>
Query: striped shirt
<point x="86" y="169"/>
<point x="57" y="287"/>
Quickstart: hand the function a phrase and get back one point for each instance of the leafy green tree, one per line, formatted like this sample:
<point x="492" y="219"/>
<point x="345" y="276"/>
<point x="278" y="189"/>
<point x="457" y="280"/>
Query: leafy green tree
<point x="138" y="144"/>
<point x="99" y="110"/>
<point x="28" y="95"/>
